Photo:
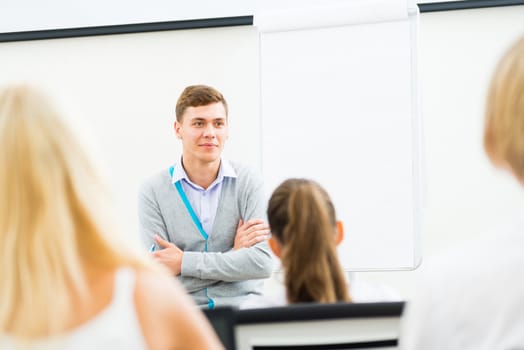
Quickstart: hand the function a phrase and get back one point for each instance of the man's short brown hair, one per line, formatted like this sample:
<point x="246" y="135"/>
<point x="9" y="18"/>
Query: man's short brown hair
<point x="198" y="95"/>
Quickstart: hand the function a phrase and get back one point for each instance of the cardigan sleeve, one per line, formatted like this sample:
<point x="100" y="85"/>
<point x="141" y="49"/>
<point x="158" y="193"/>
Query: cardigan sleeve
<point x="236" y="265"/>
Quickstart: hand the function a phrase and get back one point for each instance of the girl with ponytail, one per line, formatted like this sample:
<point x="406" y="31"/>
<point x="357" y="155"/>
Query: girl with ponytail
<point x="304" y="235"/>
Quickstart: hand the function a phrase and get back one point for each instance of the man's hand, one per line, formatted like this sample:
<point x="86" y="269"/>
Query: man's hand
<point x="250" y="233"/>
<point x="170" y="255"/>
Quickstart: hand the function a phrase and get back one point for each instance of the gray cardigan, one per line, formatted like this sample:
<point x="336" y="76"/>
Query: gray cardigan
<point x="224" y="275"/>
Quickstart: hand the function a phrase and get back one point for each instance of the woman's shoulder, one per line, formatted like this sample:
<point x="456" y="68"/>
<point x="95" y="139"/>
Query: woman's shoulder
<point x="162" y="308"/>
<point x="158" y="290"/>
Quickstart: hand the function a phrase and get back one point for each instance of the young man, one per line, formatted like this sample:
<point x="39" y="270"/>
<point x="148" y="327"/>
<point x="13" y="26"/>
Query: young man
<point x="204" y="216"/>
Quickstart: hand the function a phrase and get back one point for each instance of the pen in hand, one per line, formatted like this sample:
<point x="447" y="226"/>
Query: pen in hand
<point x="152" y="249"/>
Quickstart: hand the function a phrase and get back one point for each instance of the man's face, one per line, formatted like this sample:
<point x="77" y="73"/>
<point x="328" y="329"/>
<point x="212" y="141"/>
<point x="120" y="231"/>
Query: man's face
<point x="203" y="132"/>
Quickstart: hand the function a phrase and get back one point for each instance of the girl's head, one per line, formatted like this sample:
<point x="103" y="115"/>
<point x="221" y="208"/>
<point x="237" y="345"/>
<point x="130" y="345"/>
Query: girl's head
<point x="305" y="234"/>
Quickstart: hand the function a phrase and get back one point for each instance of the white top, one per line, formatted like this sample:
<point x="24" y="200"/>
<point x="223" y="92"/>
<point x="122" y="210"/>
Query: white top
<point x="115" y="327"/>
<point x="359" y="292"/>
<point x="472" y="297"/>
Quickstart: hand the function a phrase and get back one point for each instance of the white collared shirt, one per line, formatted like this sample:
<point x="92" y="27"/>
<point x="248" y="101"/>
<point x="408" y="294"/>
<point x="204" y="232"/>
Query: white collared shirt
<point x="203" y="201"/>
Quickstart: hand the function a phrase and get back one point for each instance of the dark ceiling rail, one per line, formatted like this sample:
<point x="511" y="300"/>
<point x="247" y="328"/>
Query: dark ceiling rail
<point x="215" y="22"/>
<point x="466" y="5"/>
<point x="127" y="28"/>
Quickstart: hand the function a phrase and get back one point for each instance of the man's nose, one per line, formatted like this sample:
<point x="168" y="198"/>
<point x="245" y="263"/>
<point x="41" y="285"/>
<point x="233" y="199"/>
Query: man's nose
<point x="209" y="131"/>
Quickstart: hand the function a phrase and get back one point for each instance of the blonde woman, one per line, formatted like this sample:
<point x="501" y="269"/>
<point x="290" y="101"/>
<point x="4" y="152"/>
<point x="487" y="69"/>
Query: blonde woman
<point x="472" y="297"/>
<point x="67" y="279"/>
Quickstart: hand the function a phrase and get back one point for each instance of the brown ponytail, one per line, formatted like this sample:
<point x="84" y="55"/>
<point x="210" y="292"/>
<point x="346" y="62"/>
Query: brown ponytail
<point x="302" y="218"/>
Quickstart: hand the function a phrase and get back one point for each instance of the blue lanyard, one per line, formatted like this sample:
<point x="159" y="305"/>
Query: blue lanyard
<point x="178" y="186"/>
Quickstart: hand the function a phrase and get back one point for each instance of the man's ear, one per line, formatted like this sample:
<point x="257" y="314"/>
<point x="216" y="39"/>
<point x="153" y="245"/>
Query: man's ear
<point x="176" y="126"/>
<point x="275" y="247"/>
<point x="340" y="231"/>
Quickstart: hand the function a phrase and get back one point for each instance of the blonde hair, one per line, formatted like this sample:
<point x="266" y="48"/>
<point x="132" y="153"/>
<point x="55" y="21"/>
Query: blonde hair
<point x="53" y="220"/>
<point x="302" y="218"/>
<point x="504" y="118"/>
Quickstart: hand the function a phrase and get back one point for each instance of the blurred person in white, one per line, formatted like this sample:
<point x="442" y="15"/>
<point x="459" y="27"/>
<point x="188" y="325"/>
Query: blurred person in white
<point x="69" y="279"/>
<point x="472" y="297"/>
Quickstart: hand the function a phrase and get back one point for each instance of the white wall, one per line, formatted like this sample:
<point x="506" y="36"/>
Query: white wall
<point x="465" y="195"/>
<point x="22" y="15"/>
<point x="120" y="91"/>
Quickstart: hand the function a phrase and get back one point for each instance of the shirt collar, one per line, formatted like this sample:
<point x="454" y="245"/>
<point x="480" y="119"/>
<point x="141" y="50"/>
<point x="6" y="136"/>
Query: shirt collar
<point x="225" y="170"/>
